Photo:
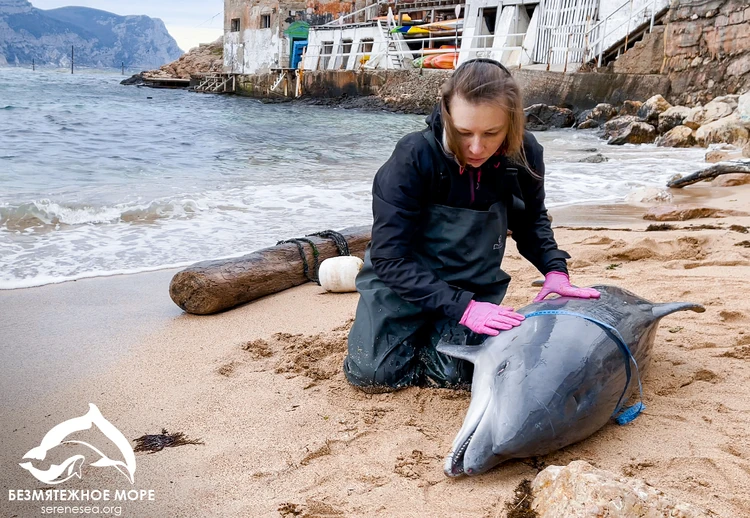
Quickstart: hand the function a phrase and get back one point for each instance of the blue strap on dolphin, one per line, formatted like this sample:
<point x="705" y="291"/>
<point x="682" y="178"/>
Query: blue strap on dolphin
<point x="557" y="378"/>
<point x="626" y="415"/>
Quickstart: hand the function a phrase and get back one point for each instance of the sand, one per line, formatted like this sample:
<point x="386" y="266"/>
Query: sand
<point x="285" y="435"/>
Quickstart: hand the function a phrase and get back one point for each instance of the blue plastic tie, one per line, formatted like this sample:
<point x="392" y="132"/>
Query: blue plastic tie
<point x="627" y="414"/>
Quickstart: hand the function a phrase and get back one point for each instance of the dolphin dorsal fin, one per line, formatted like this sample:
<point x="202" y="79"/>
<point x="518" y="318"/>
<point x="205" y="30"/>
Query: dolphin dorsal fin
<point x="465" y="352"/>
<point x="662" y="310"/>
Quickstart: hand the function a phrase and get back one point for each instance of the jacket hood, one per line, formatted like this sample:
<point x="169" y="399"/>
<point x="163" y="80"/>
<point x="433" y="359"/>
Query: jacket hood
<point x="435" y="121"/>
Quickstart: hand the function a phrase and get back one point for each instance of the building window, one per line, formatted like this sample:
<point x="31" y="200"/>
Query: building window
<point x="366" y="45"/>
<point x="265" y="21"/>
<point x="489" y="16"/>
<point x="346" y="49"/>
<point x="235" y="25"/>
<point x="325" y="56"/>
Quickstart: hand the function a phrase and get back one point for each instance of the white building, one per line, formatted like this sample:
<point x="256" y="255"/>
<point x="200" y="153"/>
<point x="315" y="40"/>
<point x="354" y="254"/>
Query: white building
<point x="550" y="33"/>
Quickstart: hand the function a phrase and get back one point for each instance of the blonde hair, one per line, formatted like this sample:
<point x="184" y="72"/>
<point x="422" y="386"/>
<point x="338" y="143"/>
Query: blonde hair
<point x="486" y="81"/>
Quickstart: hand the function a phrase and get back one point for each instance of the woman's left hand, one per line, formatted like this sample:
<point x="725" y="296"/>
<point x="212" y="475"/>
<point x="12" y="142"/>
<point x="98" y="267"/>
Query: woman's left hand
<point x="559" y="282"/>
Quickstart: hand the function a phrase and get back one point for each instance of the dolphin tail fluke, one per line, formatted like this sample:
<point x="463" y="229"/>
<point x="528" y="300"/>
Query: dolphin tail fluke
<point x="464" y="352"/>
<point x="662" y="310"/>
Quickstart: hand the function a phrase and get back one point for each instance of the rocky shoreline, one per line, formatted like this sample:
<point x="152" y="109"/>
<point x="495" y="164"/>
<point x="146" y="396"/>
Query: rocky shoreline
<point x="724" y="120"/>
<point x="204" y="59"/>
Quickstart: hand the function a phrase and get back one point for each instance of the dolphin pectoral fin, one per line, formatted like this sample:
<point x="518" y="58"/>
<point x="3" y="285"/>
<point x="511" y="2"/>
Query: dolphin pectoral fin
<point x="662" y="310"/>
<point x="465" y="352"/>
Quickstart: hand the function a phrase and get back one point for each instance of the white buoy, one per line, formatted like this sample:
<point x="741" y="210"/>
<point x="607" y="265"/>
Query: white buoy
<point x="337" y="274"/>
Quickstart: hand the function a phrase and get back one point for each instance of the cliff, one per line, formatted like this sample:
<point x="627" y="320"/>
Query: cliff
<point x="101" y="39"/>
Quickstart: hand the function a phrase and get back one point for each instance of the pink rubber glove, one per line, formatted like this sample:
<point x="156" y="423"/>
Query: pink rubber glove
<point x="559" y="282"/>
<point x="487" y="318"/>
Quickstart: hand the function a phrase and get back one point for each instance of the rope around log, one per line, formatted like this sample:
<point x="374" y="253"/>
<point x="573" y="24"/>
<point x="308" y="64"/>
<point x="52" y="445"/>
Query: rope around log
<point x="339" y="240"/>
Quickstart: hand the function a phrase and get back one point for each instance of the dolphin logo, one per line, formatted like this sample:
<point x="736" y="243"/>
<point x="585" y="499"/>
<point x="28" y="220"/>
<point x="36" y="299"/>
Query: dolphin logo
<point x="71" y="467"/>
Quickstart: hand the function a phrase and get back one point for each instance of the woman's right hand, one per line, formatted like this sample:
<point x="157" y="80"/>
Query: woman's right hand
<point x="487" y="318"/>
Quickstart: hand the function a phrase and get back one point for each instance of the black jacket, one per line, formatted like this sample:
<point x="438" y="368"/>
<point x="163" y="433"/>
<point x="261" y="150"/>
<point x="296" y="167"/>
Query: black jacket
<point x="411" y="180"/>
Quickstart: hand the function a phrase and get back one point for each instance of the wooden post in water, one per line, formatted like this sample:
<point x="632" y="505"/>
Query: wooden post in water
<point x="123" y="68"/>
<point x="72" y="57"/>
<point x="33" y="65"/>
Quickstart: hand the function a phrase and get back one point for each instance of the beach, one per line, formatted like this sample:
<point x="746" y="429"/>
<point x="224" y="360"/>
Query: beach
<point x="284" y="434"/>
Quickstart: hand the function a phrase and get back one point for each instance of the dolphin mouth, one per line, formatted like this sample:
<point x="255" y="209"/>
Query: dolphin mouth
<point x="456" y="465"/>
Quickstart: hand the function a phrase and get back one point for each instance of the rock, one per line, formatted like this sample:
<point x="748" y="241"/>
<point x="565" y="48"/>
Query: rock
<point x="746" y="150"/>
<point x="594" y="159"/>
<point x="634" y="133"/>
<point x="649" y="195"/>
<point x="629" y="108"/>
<point x="731" y="100"/>
<point x="588" y="124"/>
<point x="694" y="118"/>
<point x="743" y="109"/>
<point x="728" y="130"/>
<point x="651" y="109"/>
<point x="550" y="116"/>
<point x="618" y="125"/>
<point x="680" y="136"/>
<point x="740" y="66"/>
<point x="600" y="114"/>
<point x="202" y="59"/>
<point x="685" y="212"/>
<point x="135" y="79"/>
<point x="722" y="154"/>
<point x="672" y="117"/>
<point x="579" y="490"/>
<point x="713" y="111"/>
<point x="716" y="110"/>
<point x="730" y="180"/>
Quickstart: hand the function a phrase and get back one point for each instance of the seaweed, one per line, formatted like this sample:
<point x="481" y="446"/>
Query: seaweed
<point x="520" y="507"/>
<point x="659" y="226"/>
<point x="704" y="227"/>
<point x="154" y="443"/>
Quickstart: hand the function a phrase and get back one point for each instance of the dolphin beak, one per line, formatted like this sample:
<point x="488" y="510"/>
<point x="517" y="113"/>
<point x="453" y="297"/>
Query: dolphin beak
<point x="480" y="401"/>
<point x="454" y="463"/>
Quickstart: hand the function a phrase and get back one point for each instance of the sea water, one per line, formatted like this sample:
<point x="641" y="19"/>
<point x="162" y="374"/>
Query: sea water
<point x="98" y="178"/>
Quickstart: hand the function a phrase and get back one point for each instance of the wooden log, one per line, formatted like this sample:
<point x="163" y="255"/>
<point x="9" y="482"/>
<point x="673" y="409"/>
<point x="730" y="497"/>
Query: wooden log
<point x="212" y="286"/>
<point x="738" y="166"/>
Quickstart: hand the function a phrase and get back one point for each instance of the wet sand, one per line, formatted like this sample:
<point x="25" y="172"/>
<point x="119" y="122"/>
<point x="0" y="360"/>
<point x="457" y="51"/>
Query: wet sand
<point x="284" y="433"/>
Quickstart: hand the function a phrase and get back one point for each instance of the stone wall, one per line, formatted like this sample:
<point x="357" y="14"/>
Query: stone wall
<point x="707" y="49"/>
<point x="580" y="91"/>
<point x="645" y="57"/>
<point x="412" y="92"/>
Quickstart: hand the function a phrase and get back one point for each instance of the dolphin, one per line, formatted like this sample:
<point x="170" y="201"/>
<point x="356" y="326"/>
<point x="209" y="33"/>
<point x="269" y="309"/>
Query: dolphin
<point x="72" y="466"/>
<point x="555" y="379"/>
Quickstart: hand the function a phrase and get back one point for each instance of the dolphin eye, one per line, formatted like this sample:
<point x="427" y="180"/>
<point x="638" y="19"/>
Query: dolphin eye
<point x="502" y="368"/>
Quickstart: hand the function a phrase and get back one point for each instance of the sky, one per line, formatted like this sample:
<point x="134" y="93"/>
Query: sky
<point x="190" y="22"/>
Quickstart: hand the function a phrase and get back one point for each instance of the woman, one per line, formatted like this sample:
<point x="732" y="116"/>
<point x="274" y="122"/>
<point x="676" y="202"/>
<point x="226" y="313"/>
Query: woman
<point x="442" y="206"/>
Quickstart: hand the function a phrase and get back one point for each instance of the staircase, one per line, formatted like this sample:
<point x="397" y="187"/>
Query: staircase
<point x="621" y="30"/>
<point x="393" y="60"/>
<point x="217" y="84"/>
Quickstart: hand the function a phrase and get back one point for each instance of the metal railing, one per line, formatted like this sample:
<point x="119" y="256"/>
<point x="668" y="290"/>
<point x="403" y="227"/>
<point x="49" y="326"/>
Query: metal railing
<point x="374" y="56"/>
<point x="595" y="36"/>
<point x="340" y="20"/>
